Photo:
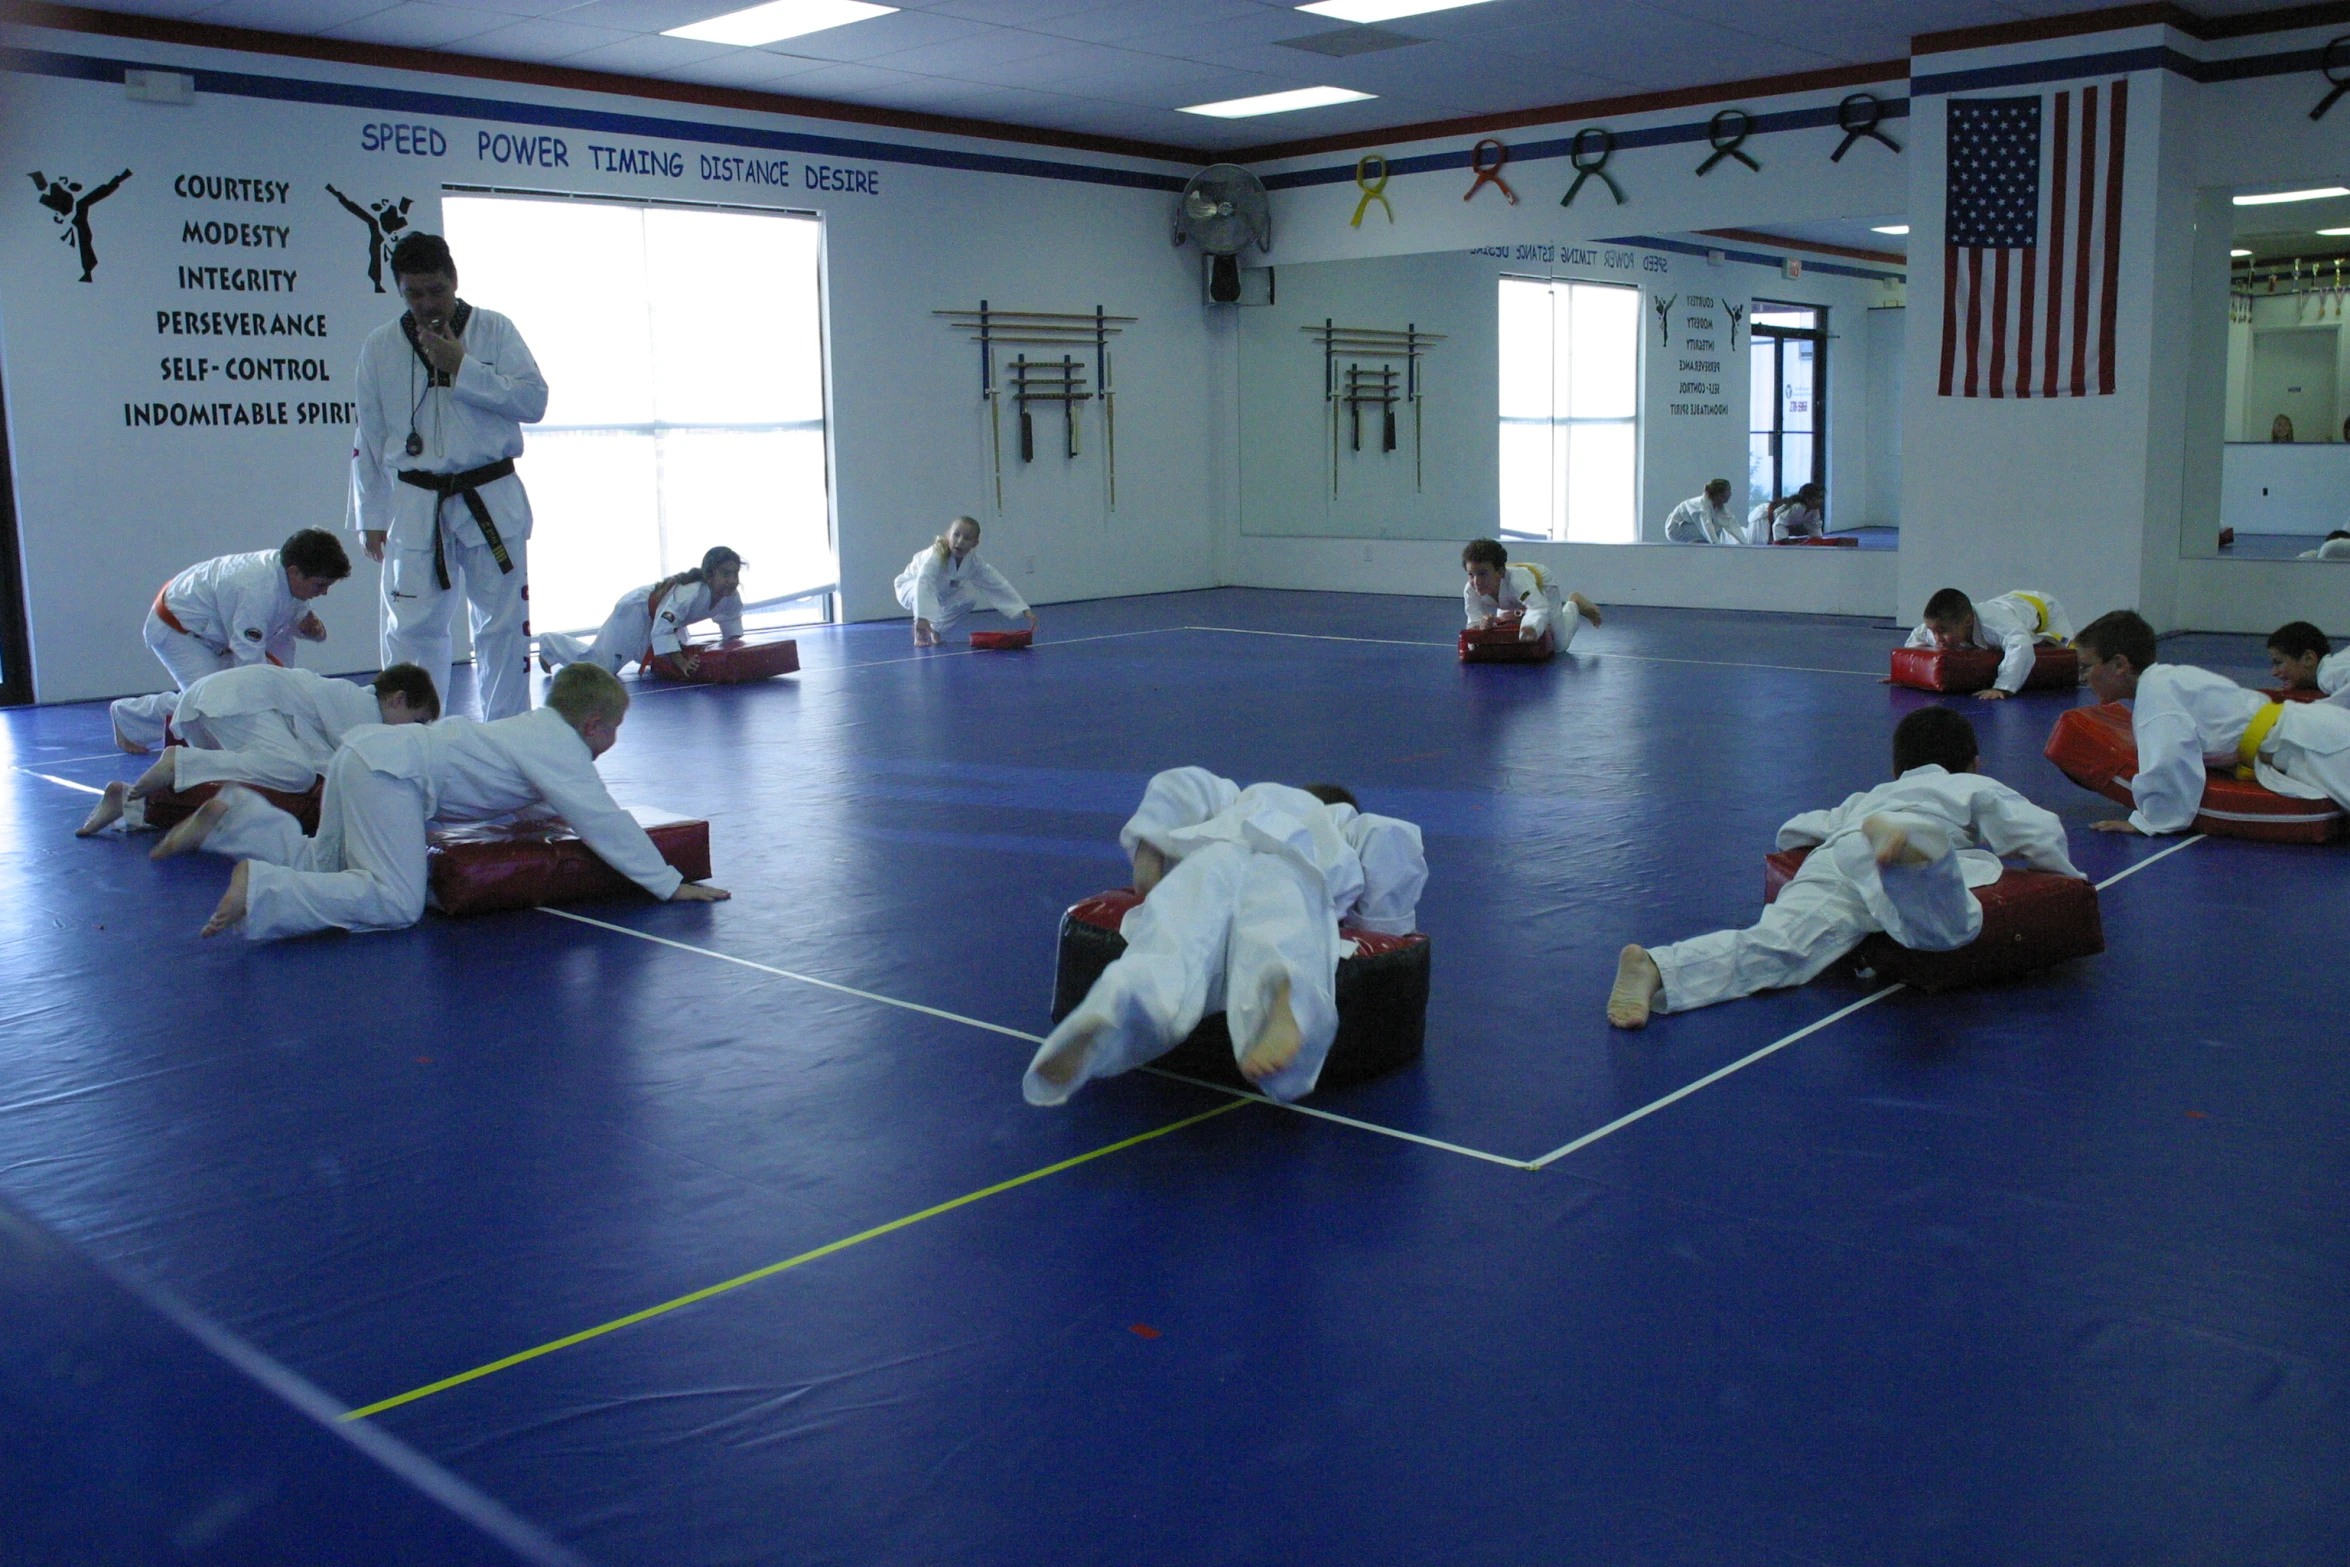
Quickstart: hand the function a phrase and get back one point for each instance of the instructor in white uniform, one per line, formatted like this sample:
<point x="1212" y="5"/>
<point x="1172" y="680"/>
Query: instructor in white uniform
<point x="443" y="395"/>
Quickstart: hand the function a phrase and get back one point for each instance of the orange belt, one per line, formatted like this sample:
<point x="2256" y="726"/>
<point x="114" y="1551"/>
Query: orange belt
<point x="164" y="614"/>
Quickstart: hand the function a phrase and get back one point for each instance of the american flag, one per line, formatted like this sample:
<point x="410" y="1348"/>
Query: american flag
<point x="2021" y="318"/>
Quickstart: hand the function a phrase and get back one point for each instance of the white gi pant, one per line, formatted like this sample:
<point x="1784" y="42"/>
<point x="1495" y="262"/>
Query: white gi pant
<point x="2310" y="744"/>
<point x="364" y="871"/>
<point x="622" y="640"/>
<point x="1825" y="911"/>
<point x="956" y="603"/>
<point x="419" y="615"/>
<point x="246" y="748"/>
<point x="1217" y="933"/>
<point x="140" y="719"/>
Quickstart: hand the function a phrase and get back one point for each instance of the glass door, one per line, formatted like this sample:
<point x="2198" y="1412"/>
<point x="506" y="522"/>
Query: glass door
<point x="1787" y="445"/>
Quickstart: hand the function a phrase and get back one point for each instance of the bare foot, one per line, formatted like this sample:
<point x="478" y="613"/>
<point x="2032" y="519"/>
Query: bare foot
<point x="1891" y="842"/>
<point x="231" y="908"/>
<point x="106" y="812"/>
<point x="1066" y="1063"/>
<point x="1150" y="868"/>
<point x="1584" y="607"/>
<point x="190" y="834"/>
<point x="162" y="776"/>
<point x="1278" y="1044"/>
<point x="1638" y="984"/>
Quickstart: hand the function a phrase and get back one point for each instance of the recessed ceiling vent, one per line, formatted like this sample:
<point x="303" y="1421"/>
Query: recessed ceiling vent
<point x="1350" y="40"/>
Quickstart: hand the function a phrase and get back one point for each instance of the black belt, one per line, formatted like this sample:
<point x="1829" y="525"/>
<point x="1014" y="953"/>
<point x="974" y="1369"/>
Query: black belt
<point x="466" y="485"/>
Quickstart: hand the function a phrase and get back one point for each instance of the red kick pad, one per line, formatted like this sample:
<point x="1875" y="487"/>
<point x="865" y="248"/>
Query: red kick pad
<point x="727" y="666"/>
<point x="2297" y="694"/>
<point x="1001" y="641"/>
<point x="1958" y="670"/>
<point x="2094" y="747"/>
<point x="1500" y="645"/>
<point x="1382" y="998"/>
<point x="1824" y="543"/>
<point x="2032" y="920"/>
<point x="174" y="806"/>
<point x="484" y="867"/>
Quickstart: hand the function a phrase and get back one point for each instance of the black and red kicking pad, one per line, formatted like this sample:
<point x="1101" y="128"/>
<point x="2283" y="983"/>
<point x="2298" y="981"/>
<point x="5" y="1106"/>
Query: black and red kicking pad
<point x="1500" y="644"/>
<point x="1001" y="641"/>
<point x="1382" y="999"/>
<point x="715" y="665"/>
<point x="2096" y="748"/>
<point x="484" y="867"/>
<point x="1964" y="669"/>
<point x="173" y="806"/>
<point x="2032" y="920"/>
<point x="1822" y="541"/>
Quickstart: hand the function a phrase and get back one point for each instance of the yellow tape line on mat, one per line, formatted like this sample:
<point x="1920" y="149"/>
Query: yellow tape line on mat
<point x="773" y="1268"/>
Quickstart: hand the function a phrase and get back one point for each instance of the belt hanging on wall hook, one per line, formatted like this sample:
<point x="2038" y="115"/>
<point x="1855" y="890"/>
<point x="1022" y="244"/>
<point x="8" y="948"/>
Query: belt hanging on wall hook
<point x="1857" y="116"/>
<point x="1589" y="140"/>
<point x="1727" y="131"/>
<point x="1490" y="173"/>
<point x="2334" y="64"/>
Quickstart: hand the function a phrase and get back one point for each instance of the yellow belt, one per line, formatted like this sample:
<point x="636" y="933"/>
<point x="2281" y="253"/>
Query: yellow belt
<point x="2039" y="607"/>
<point x="2255" y="734"/>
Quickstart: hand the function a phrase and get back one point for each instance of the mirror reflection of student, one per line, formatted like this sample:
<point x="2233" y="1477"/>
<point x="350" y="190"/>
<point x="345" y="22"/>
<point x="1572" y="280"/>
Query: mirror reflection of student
<point x="2281" y="429"/>
<point x="443" y="394"/>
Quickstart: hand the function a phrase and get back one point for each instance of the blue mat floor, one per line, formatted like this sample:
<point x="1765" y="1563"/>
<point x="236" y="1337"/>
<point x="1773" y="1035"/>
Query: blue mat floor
<point x="2055" y="1272"/>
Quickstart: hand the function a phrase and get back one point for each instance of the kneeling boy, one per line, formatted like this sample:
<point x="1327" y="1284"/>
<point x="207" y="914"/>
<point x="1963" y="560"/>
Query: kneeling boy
<point x="1244" y="892"/>
<point x="1497" y="587"/>
<point x="260" y="724"/>
<point x="365" y="870"/>
<point x="2014" y="623"/>
<point x="2187" y="720"/>
<point x="1899" y="858"/>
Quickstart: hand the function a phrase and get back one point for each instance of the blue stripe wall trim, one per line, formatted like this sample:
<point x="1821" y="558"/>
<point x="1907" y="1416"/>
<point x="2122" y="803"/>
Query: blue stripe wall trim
<point x="2290" y="62"/>
<point x="286" y="89"/>
<point x="1560" y="147"/>
<point x="1751" y="257"/>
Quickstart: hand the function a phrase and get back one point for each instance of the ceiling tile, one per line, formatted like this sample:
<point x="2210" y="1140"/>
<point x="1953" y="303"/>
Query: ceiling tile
<point x="882" y="35"/>
<point x="649" y="55"/>
<point x="749" y="69"/>
<point x="1011" y="13"/>
<point x="542" y="39"/>
<point x="419" y="26"/>
<point x="1125" y="19"/>
<point x="177" y="9"/>
<point x="308" y="17"/>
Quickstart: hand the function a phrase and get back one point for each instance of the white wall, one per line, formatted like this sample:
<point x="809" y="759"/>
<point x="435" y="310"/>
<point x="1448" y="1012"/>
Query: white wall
<point x="107" y="512"/>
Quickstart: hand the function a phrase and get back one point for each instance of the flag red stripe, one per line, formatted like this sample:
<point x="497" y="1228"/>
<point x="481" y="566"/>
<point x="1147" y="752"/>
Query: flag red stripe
<point x="2113" y="237"/>
<point x="2027" y="264"/>
<point x="1999" y="324"/>
<point x="1949" y="313"/>
<point x="2058" y="171"/>
<point x="2080" y="367"/>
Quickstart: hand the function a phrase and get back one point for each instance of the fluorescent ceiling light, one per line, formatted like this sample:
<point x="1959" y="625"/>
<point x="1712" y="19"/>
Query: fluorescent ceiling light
<point x="1381" y="10"/>
<point x="2333" y="233"/>
<point x="2275" y="196"/>
<point x="1891" y="228"/>
<point x="764" y="24"/>
<point x="2235" y="253"/>
<point x="1277" y="102"/>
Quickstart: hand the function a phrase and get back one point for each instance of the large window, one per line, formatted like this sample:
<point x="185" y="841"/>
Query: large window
<point x="1570" y="410"/>
<point x="1787" y="446"/>
<point x="682" y="348"/>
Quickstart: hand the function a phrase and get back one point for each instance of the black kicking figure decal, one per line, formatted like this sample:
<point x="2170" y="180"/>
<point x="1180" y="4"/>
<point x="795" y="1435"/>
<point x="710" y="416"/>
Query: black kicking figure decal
<point x="384" y="220"/>
<point x="70" y="206"/>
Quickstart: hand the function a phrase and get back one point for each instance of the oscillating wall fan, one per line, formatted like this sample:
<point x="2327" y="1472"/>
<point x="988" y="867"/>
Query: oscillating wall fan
<point x="1221" y="211"/>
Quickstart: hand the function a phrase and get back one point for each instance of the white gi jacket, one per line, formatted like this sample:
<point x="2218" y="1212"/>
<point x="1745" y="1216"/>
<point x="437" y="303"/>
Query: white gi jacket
<point x="1523" y="587"/>
<point x="1987" y="821"/>
<point x="1372" y="867"/>
<point x="476" y="419"/>
<point x="2186" y="720"/>
<point x="1698" y="520"/>
<point x="681" y="606"/>
<point x="2333" y="677"/>
<point x="319" y="712"/>
<point x="2331" y="549"/>
<point x="944" y="591"/>
<point x="472" y="772"/>
<point x="2015" y="623"/>
<point x="237" y="605"/>
<point x="1791" y="522"/>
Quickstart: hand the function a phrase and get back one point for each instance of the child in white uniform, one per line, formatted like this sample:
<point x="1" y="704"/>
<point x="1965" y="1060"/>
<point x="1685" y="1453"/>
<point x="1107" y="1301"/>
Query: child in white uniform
<point x="366" y="868"/>
<point x="1899" y="858"/>
<point x="1706" y="518"/>
<point x="651" y="622"/>
<point x="948" y="581"/>
<point x="2186" y="721"/>
<point x="1244" y="895"/>
<point x="2015" y="624"/>
<point x="1496" y="586"/>
<point x="226" y="612"/>
<point x="266" y="726"/>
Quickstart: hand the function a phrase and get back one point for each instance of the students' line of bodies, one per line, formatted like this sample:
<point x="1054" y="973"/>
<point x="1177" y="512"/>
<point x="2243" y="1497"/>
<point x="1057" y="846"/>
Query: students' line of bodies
<point x="1248" y="892"/>
<point x="1708" y="518"/>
